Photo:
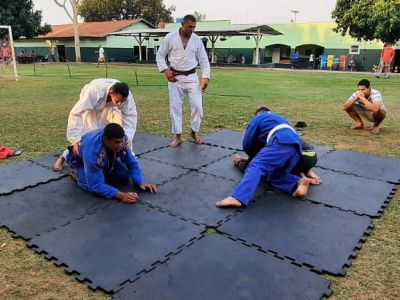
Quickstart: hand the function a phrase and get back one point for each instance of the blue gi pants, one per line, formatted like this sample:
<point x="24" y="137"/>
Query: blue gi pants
<point x="274" y="162"/>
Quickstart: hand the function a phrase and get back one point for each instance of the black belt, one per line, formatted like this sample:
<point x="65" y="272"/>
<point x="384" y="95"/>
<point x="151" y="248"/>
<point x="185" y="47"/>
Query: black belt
<point x="186" y="73"/>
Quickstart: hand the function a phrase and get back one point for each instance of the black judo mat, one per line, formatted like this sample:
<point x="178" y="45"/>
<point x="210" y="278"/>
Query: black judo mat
<point x="144" y="142"/>
<point x="157" y="172"/>
<point x="116" y="243"/>
<point x="216" y="267"/>
<point x="48" y="161"/>
<point x="322" y="150"/>
<point x="362" y="164"/>
<point x="224" y="168"/>
<point x="192" y="197"/>
<point x="349" y="192"/>
<point x="225" y="138"/>
<point x="321" y="237"/>
<point x="188" y="155"/>
<point x="24" y="174"/>
<point x="37" y="210"/>
<point x="145" y="245"/>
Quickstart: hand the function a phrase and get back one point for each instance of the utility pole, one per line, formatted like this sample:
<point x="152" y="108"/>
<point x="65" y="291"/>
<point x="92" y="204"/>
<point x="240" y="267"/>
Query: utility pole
<point x="295" y="14"/>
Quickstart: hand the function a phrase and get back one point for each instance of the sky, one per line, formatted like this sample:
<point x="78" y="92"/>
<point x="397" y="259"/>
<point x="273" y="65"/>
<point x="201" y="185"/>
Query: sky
<point x="238" y="11"/>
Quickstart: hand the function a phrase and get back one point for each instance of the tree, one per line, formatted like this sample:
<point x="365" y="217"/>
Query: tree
<point x="107" y="10"/>
<point x="368" y="19"/>
<point x="74" y="18"/>
<point x="22" y="18"/>
<point x="199" y="16"/>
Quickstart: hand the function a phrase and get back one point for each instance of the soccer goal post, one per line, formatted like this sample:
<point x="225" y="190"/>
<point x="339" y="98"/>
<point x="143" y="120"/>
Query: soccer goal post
<point x="7" y="48"/>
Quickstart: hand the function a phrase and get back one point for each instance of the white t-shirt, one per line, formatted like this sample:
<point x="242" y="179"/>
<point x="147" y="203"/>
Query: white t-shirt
<point x="101" y="52"/>
<point x="375" y="96"/>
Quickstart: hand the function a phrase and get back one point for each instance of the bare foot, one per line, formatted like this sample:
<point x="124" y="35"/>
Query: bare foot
<point x="59" y="164"/>
<point x="357" y="126"/>
<point x="74" y="176"/>
<point x="315" y="179"/>
<point x="176" y="142"/>
<point x="196" y="137"/>
<point x="302" y="187"/>
<point x="236" y="159"/>
<point x="375" y="130"/>
<point x="228" y="202"/>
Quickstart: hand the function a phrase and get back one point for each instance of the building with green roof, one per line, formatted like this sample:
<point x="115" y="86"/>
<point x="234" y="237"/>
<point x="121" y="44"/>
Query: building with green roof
<point x="274" y="50"/>
<point x="317" y="37"/>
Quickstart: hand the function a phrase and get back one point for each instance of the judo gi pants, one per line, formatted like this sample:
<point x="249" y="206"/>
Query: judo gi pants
<point x="274" y="162"/>
<point x="177" y="92"/>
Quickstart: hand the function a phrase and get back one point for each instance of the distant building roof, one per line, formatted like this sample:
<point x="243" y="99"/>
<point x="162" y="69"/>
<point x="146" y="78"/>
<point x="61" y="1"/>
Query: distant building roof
<point x="235" y="29"/>
<point x="90" y="29"/>
<point x="319" y="33"/>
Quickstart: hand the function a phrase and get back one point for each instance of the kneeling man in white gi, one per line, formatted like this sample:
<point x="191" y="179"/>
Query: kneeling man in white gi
<point x="102" y="101"/>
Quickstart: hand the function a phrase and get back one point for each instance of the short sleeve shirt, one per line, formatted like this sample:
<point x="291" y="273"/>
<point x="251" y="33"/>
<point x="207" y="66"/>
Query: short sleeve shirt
<point x="375" y="96"/>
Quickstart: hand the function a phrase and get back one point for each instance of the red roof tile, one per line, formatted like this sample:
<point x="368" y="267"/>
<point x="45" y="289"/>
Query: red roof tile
<point x="89" y="29"/>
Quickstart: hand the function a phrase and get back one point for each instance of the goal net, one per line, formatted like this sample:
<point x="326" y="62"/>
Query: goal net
<point x="8" y="65"/>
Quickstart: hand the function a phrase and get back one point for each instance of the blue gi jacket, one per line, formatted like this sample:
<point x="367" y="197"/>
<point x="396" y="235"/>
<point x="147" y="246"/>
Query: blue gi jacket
<point x="257" y="130"/>
<point x="94" y="165"/>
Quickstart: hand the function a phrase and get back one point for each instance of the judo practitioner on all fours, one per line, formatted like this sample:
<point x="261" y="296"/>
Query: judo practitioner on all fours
<point x="276" y="151"/>
<point x="104" y="159"/>
<point x="102" y="101"/>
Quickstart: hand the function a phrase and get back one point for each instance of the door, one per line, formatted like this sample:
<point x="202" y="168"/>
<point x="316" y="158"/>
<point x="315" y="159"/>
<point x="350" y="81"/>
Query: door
<point x="61" y="53"/>
<point x="276" y="55"/>
<point x="136" y="53"/>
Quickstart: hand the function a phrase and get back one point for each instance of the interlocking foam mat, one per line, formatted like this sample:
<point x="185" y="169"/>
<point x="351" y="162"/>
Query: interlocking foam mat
<point x="363" y="165"/>
<point x="216" y="267"/>
<point x="177" y="244"/>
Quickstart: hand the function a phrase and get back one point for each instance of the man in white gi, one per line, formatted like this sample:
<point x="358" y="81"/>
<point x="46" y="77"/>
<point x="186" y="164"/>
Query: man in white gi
<point x="102" y="58"/>
<point x="185" y="50"/>
<point x="102" y="101"/>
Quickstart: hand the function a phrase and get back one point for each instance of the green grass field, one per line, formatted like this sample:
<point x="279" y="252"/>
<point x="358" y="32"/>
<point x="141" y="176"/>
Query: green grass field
<point x="34" y="112"/>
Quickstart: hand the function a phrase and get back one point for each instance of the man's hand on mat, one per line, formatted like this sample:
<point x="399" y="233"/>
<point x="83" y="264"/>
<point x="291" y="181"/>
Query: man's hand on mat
<point x="148" y="186"/>
<point x="75" y="148"/>
<point x="129" y="197"/>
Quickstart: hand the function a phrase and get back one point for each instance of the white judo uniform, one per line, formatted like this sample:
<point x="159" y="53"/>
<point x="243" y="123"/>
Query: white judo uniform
<point x="92" y="111"/>
<point x="184" y="59"/>
<point x="101" y="54"/>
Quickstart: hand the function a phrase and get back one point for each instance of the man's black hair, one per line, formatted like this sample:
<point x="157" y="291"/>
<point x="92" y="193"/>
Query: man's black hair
<point x="120" y="88"/>
<point x="189" y="18"/>
<point x="113" y="130"/>
<point x="364" y="82"/>
<point x="262" y="108"/>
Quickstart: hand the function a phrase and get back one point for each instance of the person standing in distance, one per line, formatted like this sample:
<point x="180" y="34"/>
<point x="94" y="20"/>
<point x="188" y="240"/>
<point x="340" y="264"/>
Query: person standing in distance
<point x="185" y="50"/>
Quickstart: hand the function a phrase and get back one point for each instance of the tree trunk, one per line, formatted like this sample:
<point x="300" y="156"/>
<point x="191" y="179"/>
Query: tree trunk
<point x="74" y="19"/>
<point x="76" y="31"/>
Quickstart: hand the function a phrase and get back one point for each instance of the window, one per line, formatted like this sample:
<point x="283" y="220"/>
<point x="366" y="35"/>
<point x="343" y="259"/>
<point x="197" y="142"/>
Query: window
<point x="354" y="49"/>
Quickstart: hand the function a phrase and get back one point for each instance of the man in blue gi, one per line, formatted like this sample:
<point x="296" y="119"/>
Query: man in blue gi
<point x="104" y="157"/>
<point x="276" y="149"/>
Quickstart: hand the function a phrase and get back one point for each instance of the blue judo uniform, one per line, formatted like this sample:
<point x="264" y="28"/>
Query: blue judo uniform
<point x="95" y="166"/>
<point x="274" y="160"/>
